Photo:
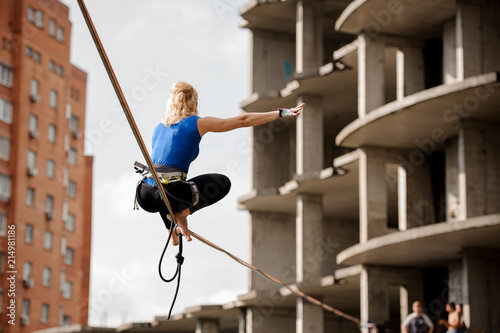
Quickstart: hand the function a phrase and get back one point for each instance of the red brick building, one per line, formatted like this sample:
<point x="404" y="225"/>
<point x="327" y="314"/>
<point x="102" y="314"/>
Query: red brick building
<point x="45" y="178"/>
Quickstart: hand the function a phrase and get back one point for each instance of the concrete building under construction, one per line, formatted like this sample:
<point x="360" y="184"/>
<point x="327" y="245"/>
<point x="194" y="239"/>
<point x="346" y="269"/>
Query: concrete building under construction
<point x="387" y="188"/>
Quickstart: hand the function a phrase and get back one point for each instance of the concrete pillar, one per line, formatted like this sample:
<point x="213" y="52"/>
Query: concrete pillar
<point x="310" y="135"/>
<point x="472" y="173"/>
<point x="454" y="201"/>
<point x="371" y="78"/>
<point x="375" y="285"/>
<point x="372" y="193"/>
<point x="410" y="71"/>
<point x="309" y="234"/>
<point x="481" y="283"/>
<point x="242" y="321"/>
<point x="272" y="249"/>
<point x="310" y="318"/>
<point x="450" y="52"/>
<point x="481" y="159"/>
<point x="309" y="35"/>
<point x="468" y="35"/>
<point x="207" y="325"/>
<point x="270" y="318"/>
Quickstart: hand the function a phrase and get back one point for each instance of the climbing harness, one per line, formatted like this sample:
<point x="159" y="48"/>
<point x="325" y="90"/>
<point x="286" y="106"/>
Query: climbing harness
<point x="155" y="176"/>
<point x="167" y="178"/>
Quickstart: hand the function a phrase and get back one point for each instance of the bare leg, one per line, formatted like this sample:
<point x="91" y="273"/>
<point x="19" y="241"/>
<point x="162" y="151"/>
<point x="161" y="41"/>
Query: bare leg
<point x="181" y="218"/>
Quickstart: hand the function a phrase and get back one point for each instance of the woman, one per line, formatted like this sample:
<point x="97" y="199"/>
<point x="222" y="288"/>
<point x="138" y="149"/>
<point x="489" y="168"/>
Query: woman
<point x="176" y="144"/>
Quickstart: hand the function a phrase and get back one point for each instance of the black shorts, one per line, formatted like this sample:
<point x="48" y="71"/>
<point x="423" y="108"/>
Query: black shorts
<point x="211" y="187"/>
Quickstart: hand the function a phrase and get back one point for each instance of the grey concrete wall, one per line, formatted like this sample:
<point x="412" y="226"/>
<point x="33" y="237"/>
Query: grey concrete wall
<point x="309" y="231"/>
<point x="371" y="70"/>
<point x="454" y="202"/>
<point x="270" y="318"/>
<point x="269" y="51"/>
<point x="207" y="326"/>
<point x="272" y="239"/>
<point x="419" y="197"/>
<point x="273" y="154"/>
<point x="309" y="317"/>
<point x="310" y="136"/>
<point x="309" y="35"/>
<point x="480" y="29"/>
<point x="482" y="161"/>
<point x="482" y="289"/>
<point x="338" y="235"/>
<point x="375" y="287"/>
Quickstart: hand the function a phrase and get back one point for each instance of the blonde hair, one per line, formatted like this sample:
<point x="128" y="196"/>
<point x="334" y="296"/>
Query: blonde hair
<point x="183" y="103"/>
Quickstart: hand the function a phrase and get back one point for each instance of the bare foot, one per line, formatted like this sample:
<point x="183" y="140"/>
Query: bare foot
<point x="181" y="218"/>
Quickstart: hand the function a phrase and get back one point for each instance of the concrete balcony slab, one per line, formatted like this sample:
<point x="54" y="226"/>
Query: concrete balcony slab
<point x="425" y="246"/>
<point x="421" y="19"/>
<point x="338" y="185"/>
<point x="432" y="114"/>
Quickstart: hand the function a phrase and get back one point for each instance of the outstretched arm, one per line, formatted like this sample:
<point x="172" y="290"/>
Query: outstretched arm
<point x="213" y="124"/>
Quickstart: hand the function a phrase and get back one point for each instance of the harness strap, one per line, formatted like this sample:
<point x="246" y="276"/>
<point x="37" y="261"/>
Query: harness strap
<point x="146" y="172"/>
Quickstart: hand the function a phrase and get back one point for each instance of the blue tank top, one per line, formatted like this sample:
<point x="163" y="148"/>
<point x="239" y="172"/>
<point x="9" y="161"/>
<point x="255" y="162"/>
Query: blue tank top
<point x="176" y="145"/>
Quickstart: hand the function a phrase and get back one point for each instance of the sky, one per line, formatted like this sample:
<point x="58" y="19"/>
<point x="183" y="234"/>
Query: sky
<point x="151" y="44"/>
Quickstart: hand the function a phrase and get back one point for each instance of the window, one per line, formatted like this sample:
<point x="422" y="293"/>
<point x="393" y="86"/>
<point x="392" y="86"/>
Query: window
<point x="51" y="168"/>
<point x="52" y="66"/>
<point x="52" y="133"/>
<point x="35" y="97"/>
<point x="60" y="70"/>
<point x="25" y="312"/>
<point x="33" y="126"/>
<point x="46" y="276"/>
<point x="53" y="99"/>
<point x="60" y="34"/>
<point x="3" y="225"/>
<point x="27" y="270"/>
<point x="68" y="256"/>
<point x="5" y="111"/>
<point x="32" y="171"/>
<point x="2" y="264"/>
<point x="66" y="320"/>
<point x="31" y="15"/>
<point x="63" y="245"/>
<point x="6" y="75"/>
<point x="28" y="51"/>
<point x="73" y="124"/>
<point x="67" y="290"/>
<point x="70" y="222"/>
<point x="4" y="187"/>
<point x="4" y="148"/>
<point x="71" y="189"/>
<point x="72" y="154"/>
<point x="28" y="234"/>
<point x="62" y="280"/>
<point x="30" y="197"/>
<point x="47" y="240"/>
<point x="65" y="211"/>
<point x="49" y="204"/>
<point x="39" y="19"/>
<point x="52" y="27"/>
<point x="37" y="57"/>
<point x="45" y="314"/>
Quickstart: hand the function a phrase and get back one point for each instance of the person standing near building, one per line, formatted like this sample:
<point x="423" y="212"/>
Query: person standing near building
<point x="417" y="322"/>
<point x="453" y="324"/>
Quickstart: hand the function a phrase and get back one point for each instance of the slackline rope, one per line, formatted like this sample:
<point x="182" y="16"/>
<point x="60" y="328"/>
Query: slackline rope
<point x="180" y="259"/>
